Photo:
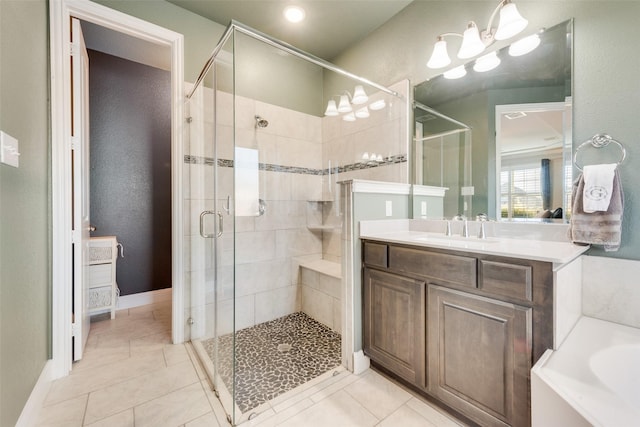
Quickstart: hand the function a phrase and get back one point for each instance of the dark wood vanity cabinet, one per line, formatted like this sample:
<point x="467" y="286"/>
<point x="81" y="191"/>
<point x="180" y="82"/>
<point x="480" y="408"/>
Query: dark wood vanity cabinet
<point x="463" y="328"/>
<point x="394" y="323"/>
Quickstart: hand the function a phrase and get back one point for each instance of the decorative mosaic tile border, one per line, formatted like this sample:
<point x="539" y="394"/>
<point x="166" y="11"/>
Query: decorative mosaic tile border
<point x="391" y="160"/>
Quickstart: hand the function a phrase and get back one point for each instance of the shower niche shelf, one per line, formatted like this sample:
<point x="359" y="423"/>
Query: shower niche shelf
<point x="323" y="216"/>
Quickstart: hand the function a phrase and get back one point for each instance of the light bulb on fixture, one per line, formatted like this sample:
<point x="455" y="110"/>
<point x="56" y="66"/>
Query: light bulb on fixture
<point x="439" y="57"/>
<point x="486" y="63"/>
<point x="471" y="43"/>
<point x="455" y="73"/>
<point x="511" y="22"/>
<point x="344" y="106"/>
<point x="331" y="110"/>
<point x="359" y="96"/>
<point x="524" y="46"/>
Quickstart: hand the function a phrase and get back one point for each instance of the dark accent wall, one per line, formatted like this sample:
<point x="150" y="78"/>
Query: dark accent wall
<point x="130" y="108"/>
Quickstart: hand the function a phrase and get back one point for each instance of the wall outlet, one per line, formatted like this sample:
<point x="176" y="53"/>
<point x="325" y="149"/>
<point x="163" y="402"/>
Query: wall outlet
<point x="423" y="209"/>
<point x="467" y="191"/>
<point x="389" y="208"/>
<point x="9" y="152"/>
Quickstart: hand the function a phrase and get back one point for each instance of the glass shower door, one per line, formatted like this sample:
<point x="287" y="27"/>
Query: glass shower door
<point x="211" y="202"/>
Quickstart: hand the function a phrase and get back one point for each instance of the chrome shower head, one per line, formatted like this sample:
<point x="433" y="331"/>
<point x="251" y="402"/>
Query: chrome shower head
<point x="261" y="123"/>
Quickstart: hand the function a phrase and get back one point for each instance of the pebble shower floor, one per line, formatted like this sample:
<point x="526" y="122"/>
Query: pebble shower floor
<point x="266" y="367"/>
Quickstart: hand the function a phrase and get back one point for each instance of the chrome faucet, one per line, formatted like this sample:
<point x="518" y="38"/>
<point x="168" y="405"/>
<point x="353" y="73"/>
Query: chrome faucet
<point x="465" y="226"/>
<point x="482" y="218"/>
<point x="448" y="230"/>
<point x="465" y="229"/>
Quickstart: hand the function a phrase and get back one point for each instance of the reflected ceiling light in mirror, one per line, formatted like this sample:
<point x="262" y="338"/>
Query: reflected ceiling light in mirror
<point x="486" y="63"/>
<point x="294" y="13"/>
<point x="474" y="41"/>
<point x="377" y="105"/>
<point x="359" y="96"/>
<point x="332" y="109"/>
<point x="362" y="113"/>
<point x="344" y="106"/>
<point x="524" y="46"/>
<point x="455" y="73"/>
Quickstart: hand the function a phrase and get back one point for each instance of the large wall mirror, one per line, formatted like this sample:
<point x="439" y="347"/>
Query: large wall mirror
<point x="500" y="140"/>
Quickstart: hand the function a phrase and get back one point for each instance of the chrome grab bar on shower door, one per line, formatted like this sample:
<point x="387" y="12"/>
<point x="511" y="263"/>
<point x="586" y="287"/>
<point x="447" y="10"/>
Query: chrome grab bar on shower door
<point x="220" y="224"/>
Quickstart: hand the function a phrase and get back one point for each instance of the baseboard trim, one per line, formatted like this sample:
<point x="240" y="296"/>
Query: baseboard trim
<point x="144" y="298"/>
<point x="360" y="362"/>
<point x="31" y="410"/>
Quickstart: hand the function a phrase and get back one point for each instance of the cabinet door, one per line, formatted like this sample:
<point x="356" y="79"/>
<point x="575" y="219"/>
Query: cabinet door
<point x="394" y="324"/>
<point x="480" y="356"/>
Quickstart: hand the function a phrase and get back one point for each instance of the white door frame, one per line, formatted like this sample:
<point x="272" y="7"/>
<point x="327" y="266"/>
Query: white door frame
<point x="60" y="13"/>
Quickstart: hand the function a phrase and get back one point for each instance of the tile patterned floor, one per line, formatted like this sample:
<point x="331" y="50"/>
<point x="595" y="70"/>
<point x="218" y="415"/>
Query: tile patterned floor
<point x="263" y="372"/>
<point x="132" y="376"/>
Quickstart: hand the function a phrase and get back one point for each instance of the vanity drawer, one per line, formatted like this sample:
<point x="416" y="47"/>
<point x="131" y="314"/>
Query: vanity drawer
<point x="375" y="254"/>
<point x="510" y="280"/>
<point x="456" y="269"/>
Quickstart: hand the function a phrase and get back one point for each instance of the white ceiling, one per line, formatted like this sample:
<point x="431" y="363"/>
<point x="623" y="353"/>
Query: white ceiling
<point x="330" y="26"/>
<point x="538" y="131"/>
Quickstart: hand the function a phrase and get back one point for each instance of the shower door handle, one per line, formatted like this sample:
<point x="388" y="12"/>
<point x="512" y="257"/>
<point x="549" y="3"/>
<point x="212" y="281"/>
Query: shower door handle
<point x="202" y="233"/>
<point x="220" y="225"/>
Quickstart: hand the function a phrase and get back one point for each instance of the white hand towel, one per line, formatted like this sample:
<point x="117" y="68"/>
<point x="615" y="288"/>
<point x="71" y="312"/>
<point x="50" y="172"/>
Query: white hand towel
<point x="598" y="186"/>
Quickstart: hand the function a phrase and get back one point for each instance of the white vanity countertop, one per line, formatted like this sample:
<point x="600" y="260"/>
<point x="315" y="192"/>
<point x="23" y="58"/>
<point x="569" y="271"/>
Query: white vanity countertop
<point x="428" y="234"/>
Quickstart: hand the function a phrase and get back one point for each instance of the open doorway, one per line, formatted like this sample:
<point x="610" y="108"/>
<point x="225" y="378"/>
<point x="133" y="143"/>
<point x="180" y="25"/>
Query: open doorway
<point x="136" y="40"/>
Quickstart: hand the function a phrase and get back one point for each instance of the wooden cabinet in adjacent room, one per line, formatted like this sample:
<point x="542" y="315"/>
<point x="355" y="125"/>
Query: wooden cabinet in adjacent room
<point x="394" y="323"/>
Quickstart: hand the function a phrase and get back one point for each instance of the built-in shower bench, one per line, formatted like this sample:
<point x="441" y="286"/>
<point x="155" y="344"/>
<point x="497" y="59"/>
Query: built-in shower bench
<point x="320" y="284"/>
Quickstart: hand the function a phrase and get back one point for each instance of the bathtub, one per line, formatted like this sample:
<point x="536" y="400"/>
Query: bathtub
<point x="593" y="379"/>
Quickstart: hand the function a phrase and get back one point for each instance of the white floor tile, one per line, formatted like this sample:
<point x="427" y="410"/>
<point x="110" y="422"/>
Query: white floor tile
<point x="379" y="395"/>
<point x="121" y="419"/>
<point x="173" y="409"/>
<point x="405" y="417"/>
<point x="433" y="415"/>
<point x="337" y="410"/>
<point x="69" y="413"/>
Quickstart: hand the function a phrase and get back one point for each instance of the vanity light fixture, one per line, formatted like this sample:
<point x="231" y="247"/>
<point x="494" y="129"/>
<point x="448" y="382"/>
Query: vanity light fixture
<point x="455" y="73"/>
<point x="346" y="100"/>
<point x="524" y="46"/>
<point x="486" y="63"/>
<point x="359" y="96"/>
<point x="349" y="117"/>
<point x="362" y="113"/>
<point x="332" y="109"/>
<point x="377" y="105"/>
<point x="475" y="42"/>
<point x="294" y="13"/>
<point x="344" y="106"/>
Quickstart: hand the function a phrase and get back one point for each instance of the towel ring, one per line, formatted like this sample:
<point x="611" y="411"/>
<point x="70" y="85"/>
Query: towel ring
<point x="598" y="141"/>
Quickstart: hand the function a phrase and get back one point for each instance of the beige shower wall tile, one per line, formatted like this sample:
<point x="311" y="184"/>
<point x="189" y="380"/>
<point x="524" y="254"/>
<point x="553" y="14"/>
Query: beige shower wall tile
<point x="276" y="303"/>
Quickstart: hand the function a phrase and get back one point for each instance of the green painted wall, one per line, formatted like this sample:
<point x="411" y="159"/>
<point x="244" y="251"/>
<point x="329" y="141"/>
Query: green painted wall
<point x="24" y="204"/>
<point x="261" y="72"/>
<point x="606" y="85"/>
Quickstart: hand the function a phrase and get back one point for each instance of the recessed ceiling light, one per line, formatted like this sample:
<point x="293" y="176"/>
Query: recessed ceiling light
<point x="294" y="13"/>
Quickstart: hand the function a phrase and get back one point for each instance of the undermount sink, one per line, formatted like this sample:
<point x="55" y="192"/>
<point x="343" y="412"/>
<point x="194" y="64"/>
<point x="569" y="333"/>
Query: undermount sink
<point x="433" y="237"/>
